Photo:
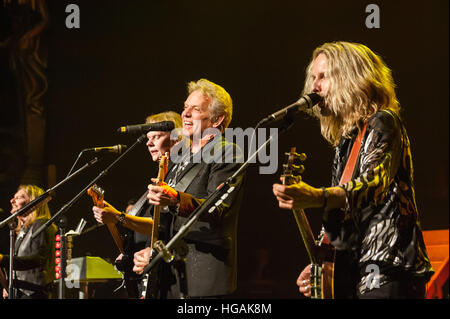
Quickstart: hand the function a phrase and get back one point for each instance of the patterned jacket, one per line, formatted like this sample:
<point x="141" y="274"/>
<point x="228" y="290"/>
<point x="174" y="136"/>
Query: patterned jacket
<point x="379" y="227"/>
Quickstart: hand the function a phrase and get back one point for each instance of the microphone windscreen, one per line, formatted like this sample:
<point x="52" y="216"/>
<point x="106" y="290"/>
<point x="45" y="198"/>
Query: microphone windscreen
<point x="315" y="98"/>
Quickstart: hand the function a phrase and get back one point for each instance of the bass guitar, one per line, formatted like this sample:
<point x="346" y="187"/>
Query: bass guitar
<point x="321" y="255"/>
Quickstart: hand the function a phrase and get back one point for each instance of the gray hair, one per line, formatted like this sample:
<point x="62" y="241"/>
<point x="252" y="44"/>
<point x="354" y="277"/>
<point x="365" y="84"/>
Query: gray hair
<point x="221" y="104"/>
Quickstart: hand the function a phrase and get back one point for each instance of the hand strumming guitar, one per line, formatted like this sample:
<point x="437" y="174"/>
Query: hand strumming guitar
<point x="303" y="281"/>
<point x="141" y="260"/>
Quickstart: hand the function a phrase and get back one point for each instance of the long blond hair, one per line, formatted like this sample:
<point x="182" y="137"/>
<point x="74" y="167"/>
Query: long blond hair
<point x="361" y="84"/>
<point x="33" y="192"/>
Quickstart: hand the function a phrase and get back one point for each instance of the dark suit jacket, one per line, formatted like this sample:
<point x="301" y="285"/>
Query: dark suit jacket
<point x="34" y="258"/>
<point x="212" y="258"/>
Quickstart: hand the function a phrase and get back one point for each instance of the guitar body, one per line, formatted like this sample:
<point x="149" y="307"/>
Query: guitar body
<point x="322" y="273"/>
<point x="126" y="264"/>
<point x="321" y="255"/>
<point x="150" y="283"/>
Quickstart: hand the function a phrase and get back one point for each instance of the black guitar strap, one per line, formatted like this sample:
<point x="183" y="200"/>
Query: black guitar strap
<point x="138" y="205"/>
<point x="187" y="179"/>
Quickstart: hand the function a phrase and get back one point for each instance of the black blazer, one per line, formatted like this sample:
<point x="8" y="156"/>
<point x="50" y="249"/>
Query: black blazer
<point x="34" y="258"/>
<point x="212" y="258"/>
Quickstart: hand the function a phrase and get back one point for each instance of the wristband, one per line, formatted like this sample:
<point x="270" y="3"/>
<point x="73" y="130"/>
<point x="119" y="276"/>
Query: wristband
<point x="122" y="218"/>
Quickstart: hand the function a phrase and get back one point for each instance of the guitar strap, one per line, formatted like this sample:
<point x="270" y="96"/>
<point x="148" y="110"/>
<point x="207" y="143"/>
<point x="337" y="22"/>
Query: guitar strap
<point x="138" y="205"/>
<point x="187" y="179"/>
<point x="350" y="165"/>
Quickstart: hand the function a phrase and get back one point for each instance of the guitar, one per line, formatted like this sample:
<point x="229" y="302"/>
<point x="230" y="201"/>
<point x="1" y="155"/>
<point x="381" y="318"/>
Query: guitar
<point x="150" y="292"/>
<point x="321" y="255"/>
<point x="97" y="195"/>
<point x="123" y="244"/>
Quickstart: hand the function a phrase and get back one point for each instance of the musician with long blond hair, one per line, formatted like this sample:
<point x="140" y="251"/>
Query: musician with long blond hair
<point x="34" y="258"/>
<point x="371" y="219"/>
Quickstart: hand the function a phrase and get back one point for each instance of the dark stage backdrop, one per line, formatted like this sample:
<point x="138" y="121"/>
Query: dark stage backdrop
<point x="129" y="59"/>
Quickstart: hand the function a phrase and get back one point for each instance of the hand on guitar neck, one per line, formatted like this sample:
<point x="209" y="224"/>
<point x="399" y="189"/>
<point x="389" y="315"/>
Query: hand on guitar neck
<point x="316" y="280"/>
<point x="161" y="194"/>
<point x="107" y="214"/>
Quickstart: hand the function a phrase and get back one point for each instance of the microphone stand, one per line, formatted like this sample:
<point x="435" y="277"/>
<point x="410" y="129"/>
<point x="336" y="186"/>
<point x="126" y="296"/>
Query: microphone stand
<point x="78" y="196"/>
<point x="12" y="243"/>
<point x="210" y="204"/>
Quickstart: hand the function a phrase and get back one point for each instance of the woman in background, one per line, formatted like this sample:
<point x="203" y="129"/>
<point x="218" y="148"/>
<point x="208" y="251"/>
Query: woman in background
<point x="34" y="258"/>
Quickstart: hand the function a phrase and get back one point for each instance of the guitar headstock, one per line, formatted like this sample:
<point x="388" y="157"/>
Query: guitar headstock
<point x="163" y="164"/>
<point x="97" y="194"/>
<point x="291" y="171"/>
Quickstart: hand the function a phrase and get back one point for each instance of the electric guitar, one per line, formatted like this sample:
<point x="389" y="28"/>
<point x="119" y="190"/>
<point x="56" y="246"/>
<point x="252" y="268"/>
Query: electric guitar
<point x="149" y="291"/>
<point x="321" y="255"/>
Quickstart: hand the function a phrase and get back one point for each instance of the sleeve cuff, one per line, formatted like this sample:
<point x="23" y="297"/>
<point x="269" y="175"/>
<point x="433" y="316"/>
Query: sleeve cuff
<point x="186" y="204"/>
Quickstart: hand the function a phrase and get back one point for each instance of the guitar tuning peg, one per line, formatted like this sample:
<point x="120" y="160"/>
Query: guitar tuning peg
<point x="299" y="169"/>
<point x="301" y="156"/>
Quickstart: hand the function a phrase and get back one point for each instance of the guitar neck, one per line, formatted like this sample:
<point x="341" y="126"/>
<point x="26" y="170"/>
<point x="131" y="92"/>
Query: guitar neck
<point x="116" y="237"/>
<point x="155" y="229"/>
<point x="163" y="162"/>
<point x="306" y="233"/>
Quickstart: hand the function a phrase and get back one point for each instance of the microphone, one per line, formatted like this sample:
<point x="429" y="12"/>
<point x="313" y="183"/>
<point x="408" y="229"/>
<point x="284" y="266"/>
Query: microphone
<point x="304" y="103"/>
<point x="107" y="149"/>
<point x="144" y="128"/>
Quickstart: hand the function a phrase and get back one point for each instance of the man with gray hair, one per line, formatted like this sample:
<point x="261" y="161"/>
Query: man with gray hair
<point x="211" y="261"/>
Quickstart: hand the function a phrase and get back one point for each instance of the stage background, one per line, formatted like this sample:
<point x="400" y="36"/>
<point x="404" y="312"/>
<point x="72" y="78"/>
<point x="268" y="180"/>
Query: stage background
<point x="129" y="59"/>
